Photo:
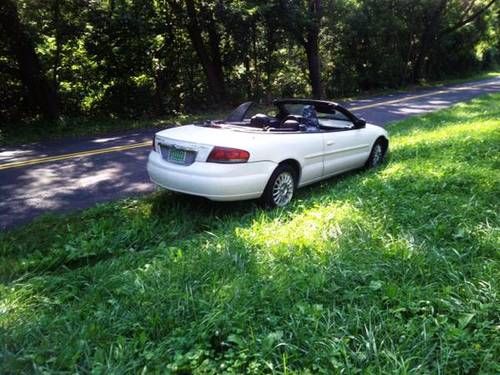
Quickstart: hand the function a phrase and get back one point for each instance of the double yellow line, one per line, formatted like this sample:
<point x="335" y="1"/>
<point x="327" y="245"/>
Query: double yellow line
<point x="18" y="164"/>
<point x="46" y="159"/>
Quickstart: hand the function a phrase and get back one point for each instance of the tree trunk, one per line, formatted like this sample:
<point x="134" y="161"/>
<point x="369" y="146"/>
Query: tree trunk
<point x="269" y="60"/>
<point x="216" y="58"/>
<point x="255" y="52"/>
<point x="314" y="65"/>
<point x="311" y="45"/>
<point x="427" y="40"/>
<point x="212" y="65"/>
<point x="39" y="91"/>
<point x="57" y="55"/>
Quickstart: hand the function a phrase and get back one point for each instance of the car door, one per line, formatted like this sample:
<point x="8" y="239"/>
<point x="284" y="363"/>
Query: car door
<point x="344" y="150"/>
<point x="345" y="147"/>
<point x="310" y="147"/>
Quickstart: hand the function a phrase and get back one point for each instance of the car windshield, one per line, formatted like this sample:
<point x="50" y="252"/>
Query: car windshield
<point x="294" y="109"/>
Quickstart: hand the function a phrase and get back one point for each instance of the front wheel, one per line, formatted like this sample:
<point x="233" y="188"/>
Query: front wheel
<point x="280" y="187"/>
<point x="377" y="155"/>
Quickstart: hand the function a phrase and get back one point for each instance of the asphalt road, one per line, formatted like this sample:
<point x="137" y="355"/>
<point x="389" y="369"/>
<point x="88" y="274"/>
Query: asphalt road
<point x="74" y="174"/>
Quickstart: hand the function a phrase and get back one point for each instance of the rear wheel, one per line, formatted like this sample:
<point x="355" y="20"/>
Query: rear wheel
<point x="280" y="187"/>
<point x="377" y="155"/>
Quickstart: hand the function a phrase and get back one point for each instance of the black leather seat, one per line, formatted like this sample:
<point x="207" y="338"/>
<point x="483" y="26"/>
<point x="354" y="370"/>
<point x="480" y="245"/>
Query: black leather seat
<point x="260" y="121"/>
<point x="290" y="124"/>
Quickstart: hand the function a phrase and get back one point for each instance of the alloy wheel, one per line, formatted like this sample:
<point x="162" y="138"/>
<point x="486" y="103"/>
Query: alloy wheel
<point x="283" y="189"/>
<point x="378" y="155"/>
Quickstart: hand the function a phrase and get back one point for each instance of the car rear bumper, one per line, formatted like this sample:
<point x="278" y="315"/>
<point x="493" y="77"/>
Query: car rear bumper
<point x="220" y="182"/>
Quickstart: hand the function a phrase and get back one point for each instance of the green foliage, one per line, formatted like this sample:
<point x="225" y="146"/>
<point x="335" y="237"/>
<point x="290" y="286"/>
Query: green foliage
<point x="388" y="271"/>
<point x="24" y="132"/>
<point x="137" y="59"/>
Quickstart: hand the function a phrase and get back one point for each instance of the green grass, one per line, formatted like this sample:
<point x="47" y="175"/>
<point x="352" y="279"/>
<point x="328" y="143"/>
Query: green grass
<point x="387" y="271"/>
<point x="22" y="133"/>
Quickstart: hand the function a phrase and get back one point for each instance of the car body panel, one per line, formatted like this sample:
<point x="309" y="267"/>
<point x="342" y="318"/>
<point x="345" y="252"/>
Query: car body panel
<point x="348" y="149"/>
<point x="220" y="182"/>
<point x="274" y="147"/>
<point x="319" y="154"/>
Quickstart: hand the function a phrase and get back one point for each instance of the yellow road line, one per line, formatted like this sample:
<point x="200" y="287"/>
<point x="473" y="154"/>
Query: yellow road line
<point x="47" y="159"/>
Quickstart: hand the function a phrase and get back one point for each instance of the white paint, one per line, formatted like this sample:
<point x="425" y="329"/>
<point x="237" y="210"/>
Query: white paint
<point x="319" y="154"/>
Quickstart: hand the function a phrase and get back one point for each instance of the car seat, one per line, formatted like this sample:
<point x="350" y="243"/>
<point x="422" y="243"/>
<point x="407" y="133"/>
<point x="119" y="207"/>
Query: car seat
<point x="260" y="120"/>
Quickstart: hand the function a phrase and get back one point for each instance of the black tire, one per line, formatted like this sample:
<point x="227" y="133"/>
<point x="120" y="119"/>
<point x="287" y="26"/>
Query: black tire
<point x="281" y="187"/>
<point x="377" y="155"/>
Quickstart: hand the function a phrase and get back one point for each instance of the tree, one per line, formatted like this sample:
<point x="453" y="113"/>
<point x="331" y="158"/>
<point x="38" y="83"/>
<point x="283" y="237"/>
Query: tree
<point x="311" y="45"/>
<point x="468" y="11"/>
<point x="471" y="10"/>
<point x="431" y="28"/>
<point x="39" y="91"/>
<point x="303" y="20"/>
<point x="143" y="58"/>
<point x="199" y="21"/>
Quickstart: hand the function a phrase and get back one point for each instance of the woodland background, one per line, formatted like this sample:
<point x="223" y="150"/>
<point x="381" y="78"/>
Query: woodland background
<point x="149" y="58"/>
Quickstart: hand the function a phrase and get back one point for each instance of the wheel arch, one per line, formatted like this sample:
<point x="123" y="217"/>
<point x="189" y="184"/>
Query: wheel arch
<point x="295" y="166"/>
<point x="384" y="140"/>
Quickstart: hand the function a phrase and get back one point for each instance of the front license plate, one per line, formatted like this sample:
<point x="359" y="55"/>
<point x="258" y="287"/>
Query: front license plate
<point x="176" y="155"/>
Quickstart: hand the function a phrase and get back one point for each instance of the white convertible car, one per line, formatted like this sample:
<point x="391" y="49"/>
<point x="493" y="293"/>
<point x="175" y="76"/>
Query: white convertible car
<point x="265" y="156"/>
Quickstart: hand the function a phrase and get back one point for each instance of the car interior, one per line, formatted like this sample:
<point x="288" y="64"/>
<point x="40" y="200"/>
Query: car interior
<point x="292" y="116"/>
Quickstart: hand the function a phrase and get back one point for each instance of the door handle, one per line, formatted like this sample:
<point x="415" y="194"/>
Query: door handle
<point x="329" y="143"/>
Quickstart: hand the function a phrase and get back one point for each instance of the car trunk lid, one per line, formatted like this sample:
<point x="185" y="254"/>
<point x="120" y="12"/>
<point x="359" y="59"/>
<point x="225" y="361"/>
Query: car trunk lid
<point x="190" y="143"/>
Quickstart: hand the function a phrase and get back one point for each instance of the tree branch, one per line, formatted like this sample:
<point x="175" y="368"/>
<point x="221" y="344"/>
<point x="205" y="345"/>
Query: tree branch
<point x="467" y="20"/>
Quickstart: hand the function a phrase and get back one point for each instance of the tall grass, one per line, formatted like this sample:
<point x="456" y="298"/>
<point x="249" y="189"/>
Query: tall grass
<point x="388" y="271"/>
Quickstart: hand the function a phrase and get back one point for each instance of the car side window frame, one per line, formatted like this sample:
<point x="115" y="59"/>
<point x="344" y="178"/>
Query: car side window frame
<point x="348" y="115"/>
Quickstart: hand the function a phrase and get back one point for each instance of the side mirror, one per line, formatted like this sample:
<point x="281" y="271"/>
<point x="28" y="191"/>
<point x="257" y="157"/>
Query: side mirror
<point x="360" y="123"/>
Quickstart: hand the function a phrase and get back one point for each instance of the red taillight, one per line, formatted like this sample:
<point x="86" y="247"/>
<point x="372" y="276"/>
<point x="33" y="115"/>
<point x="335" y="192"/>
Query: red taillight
<point x="228" y="155"/>
<point x="154" y="141"/>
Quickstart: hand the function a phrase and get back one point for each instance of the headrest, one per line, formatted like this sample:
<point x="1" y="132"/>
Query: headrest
<point x="290" y="123"/>
<point x="260" y="120"/>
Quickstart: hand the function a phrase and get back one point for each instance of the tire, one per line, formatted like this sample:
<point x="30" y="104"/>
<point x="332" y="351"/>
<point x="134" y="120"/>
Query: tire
<point x="281" y="187"/>
<point x="377" y="155"/>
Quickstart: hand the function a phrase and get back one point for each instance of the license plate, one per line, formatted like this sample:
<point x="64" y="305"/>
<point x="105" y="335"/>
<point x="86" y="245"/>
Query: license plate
<point x="176" y="155"/>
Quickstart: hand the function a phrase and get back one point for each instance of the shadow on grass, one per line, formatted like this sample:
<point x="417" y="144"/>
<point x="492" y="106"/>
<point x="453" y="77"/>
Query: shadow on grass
<point x="171" y="218"/>
<point x="109" y="230"/>
<point x="349" y="276"/>
<point x="211" y="211"/>
<point x="293" y="283"/>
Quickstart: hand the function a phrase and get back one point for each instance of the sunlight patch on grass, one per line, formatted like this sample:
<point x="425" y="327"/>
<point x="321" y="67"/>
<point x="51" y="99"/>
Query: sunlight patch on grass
<point x="318" y="228"/>
<point x="462" y="133"/>
<point x="394" y="270"/>
<point x="17" y="304"/>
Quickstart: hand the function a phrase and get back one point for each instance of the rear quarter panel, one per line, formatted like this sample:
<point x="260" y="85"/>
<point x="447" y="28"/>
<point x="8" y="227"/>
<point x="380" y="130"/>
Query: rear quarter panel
<point x="305" y="148"/>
